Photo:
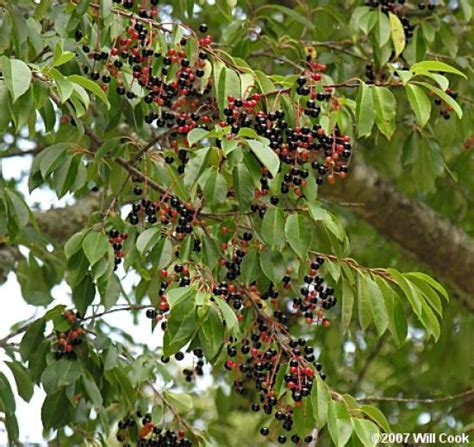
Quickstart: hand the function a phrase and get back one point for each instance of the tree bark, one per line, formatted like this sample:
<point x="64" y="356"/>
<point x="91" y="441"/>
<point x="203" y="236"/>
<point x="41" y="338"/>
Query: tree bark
<point x="444" y="248"/>
<point x="59" y="224"/>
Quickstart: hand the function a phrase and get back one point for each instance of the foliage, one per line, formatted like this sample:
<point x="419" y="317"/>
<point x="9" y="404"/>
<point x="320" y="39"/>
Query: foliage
<point x="209" y="188"/>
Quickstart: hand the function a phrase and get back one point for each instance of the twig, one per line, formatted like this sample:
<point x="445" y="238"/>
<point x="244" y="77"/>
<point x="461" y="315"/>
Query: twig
<point x="468" y="394"/>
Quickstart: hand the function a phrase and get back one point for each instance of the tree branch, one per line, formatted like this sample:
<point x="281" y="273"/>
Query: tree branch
<point x="468" y="394"/>
<point x="443" y="247"/>
<point x="59" y="224"/>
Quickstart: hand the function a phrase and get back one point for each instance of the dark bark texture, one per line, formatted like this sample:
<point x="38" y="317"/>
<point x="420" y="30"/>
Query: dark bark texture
<point x="444" y="248"/>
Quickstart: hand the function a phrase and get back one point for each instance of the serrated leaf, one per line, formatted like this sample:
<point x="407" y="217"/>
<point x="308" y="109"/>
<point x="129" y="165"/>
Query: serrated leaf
<point x="320" y="399"/>
<point x="385" y="110"/>
<point x="23" y="380"/>
<point x="298" y="234"/>
<point x="366" y="431"/>
<point x="397" y="33"/>
<point x="211" y="334"/>
<point x="376" y="415"/>
<point x="365" y="111"/>
<point x="181" y="325"/>
<point x="339" y="423"/>
<point x="419" y="102"/>
<point x="17" y="76"/>
<point x="243" y="184"/>
<point x="91" y="86"/>
<point x="273" y="228"/>
<point x="148" y="239"/>
<point x="265" y="155"/>
<point x="95" y="246"/>
<point x="196" y="135"/>
<point x="347" y="304"/>
<point x="408" y="290"/>
<point x="445" y="97"/>
<point x="436" y="66"/>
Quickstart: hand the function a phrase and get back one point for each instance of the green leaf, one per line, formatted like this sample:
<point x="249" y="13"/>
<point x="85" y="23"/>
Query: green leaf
<point x="91" y="86"/>
<point x="92" y="389"/>
<point x="385" y="110"/>
<point x="397" y="33"/>
<point x="250" y="267"/>
<point x="445" y="97"/>
<point x="17" y="76"/>
<point x="32" y="339"/>
<point x="211" y="334"/>
<point x="347" y="304"/>
<point x="292" y="13"/>
<point x="56" y="410"/>
<point x="339" y="423"/>
<point x="83" y="294"/>
<point x="196" y="166"/>
<point x="52" y="158"/>
<point x="244" y="186"/>
<point x="23" y="380"/>
<point x="364" y="301"/>
<point x="74" y="244"/>
<point x="214" y="188"/>
<point x="95" y="246"/>
<point x="366" y="431"/>
<point x="429" y="294"/>
<point x="4" y="110"/>
<point x="320" y="399"/>
<point x="148" y="239"/>
<point x="273" y="228"/>
<point x="229" y="85"/>
<point x="64" y="87"/>
<point x="383" y="29"/>
<point x="183" y="403"/>
<point x="419" y="102"/>
<point x="18" y="208"/>
<point x="298" y="231"/>
<point x="182" y="325"/>
<point x="265" y="155"/>
<point x="229" y="316"/>
<point x="365" y="111"/>
<point x="196" y="135"/>
<point x="435" y="66"/>
<point x="379" y="311"/>
<point x="397" y="323"/>
<point x="435" y="284"/>
<point x="376" y="415"/>
<point x="110" y="289"/>
<point x="60" y="56"/>
<point x="408" y="290"/>
<point x="105" y="8"/>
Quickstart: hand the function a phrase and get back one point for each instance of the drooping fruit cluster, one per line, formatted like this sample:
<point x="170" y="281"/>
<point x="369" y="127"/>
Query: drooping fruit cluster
<point x="197" y="366"/>
<point x="170" y="211"/>
<point x="260" y="360"/>
<point x="116" y="239"/>
<point x="66" y="341"/>
<point x="315" y="296"/>
<point x="139" y="430"/>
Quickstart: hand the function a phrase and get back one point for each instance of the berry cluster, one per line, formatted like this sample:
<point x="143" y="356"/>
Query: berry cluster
<point x="197" y="368"/>
<point x="146" y="434"/>
<point x="116" y="239"/>
<point x="260" y="359"/>
<point x="171" y="210"/>
<point x="394" y="7"/>
<point x="68" y="340"/>
<point x="315" y="297"/>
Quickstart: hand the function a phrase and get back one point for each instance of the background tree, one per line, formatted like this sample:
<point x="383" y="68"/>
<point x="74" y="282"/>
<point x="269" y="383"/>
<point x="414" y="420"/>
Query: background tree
<point x="265" y="174"/>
